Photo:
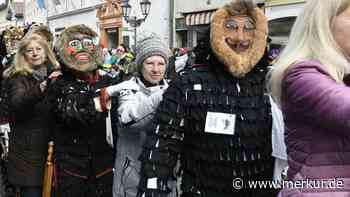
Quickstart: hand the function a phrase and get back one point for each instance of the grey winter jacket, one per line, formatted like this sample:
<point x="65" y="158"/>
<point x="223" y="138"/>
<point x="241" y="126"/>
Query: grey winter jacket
<point x="137" y="105"/>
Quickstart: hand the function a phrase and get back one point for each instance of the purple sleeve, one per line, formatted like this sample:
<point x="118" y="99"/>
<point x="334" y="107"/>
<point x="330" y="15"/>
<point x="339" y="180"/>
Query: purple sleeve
<point x="310" y="94"/>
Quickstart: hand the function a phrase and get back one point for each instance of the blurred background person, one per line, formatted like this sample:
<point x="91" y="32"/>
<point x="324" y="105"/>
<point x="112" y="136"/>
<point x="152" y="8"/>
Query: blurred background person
<point x="307" y="81"/>
<point x="177" y="62"/>
<point x="125" y="62"/>
<point x="106" y="56"/>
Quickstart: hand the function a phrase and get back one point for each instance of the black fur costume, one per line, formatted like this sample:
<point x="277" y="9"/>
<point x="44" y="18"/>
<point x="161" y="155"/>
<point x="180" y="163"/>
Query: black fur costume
<point x="209" y="163"/>
<point x="83" y="159"/>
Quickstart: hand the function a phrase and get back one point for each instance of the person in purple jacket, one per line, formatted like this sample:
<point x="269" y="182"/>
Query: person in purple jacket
<point x="307" y="82"/>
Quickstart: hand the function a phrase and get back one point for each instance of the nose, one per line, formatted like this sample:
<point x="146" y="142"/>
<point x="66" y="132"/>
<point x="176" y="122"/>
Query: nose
<point x="239" y="34"/>
<point x="156" y="68"/>
<point x="35" y="52"/>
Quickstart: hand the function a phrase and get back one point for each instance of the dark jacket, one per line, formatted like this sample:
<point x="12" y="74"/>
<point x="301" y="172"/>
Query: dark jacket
<point x="316" y="110"/>
<point x="29" y="130"/>
<point x="84" y="160"/>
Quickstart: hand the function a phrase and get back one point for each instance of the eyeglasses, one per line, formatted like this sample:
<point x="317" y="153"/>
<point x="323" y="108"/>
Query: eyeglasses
<point x="80" y="44"/>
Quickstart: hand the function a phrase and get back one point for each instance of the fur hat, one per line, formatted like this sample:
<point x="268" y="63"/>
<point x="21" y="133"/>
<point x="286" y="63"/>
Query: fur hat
<point x="150" y="46"/>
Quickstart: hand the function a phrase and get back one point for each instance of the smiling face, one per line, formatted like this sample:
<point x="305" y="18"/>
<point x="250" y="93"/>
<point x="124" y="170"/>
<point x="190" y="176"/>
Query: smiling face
<point x="153" y="69"/>
<point x="80" y="51"/>
<point x="238" y="40"/>
<point x="77" y="49"/>
<point x="35" y="54"/>
<point x="240" y="33"/>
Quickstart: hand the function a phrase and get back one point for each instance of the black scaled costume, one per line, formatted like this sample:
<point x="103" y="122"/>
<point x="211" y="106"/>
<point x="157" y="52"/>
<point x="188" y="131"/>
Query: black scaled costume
<point x="212" y="151"/>
<point x="83" y="158"/>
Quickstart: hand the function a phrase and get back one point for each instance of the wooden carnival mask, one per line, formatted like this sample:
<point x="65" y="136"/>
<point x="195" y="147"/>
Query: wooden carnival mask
<point x="78" y="50"/>
<point x="238" y="36"/>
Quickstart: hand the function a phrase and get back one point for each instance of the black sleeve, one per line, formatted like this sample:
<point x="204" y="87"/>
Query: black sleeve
<point x="163" y="145"/>
<point x="73" y="103"/>
<point x="23" y="94"/>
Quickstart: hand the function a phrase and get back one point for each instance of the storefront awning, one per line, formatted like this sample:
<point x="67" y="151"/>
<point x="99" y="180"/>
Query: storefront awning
<point x="198" y="18"/>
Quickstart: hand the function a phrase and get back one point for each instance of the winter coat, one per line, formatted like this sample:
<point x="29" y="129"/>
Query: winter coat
<point x="316" y="111"/>
<point x="218" y="126"/>
<point x="84" y="160"/>
<point x="137" y="105"/>
<point x="29" y="130"/>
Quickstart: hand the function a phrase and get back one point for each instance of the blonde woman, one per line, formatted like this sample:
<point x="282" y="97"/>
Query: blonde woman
<point x="307" y="82"/>
<point x="25" y="96"/>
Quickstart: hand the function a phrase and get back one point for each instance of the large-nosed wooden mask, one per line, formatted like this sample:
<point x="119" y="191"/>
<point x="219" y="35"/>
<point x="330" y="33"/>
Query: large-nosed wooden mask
<point x="239" y="54"/>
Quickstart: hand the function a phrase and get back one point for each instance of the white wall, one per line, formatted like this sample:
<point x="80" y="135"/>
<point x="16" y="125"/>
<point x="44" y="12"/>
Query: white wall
<point x="157" y="20"/>
<point x="87" y="18"/>
<point x="283" y="11"/>
<point x="69" y="13"/>
<point x="69" y="5"/>
<point x="197" y="5"/>
<point x="32" y="13"/>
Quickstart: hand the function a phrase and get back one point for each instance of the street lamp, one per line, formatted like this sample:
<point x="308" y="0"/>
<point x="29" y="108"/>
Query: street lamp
<point x="133" y="20"/>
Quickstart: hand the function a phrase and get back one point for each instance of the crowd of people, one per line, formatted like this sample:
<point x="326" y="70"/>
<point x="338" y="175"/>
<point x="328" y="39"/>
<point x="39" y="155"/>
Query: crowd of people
<point x="187" y="123"/>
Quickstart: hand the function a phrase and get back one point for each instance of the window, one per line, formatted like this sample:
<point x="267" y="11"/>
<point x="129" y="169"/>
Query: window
<point x="280" y="28"/>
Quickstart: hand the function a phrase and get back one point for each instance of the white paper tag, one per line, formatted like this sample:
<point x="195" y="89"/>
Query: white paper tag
<point x="197" y="87"/>
<point x="152" y="183"/>
<point x="220" y="123"/>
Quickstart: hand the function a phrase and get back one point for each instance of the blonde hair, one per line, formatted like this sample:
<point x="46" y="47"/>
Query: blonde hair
<point x="312" y="38"/>
<point x="21" y="66"/>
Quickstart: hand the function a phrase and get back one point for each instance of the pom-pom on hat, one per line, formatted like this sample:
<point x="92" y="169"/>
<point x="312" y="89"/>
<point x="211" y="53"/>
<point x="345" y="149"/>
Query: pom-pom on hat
<point x="150" y="45"/>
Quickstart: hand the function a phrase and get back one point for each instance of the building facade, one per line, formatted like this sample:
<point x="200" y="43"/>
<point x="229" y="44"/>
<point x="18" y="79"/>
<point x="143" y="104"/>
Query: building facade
<point x="11" y="13"/>
<point x="192" y="19"/>
<point x="103" y="16"/>
<point x="180" y="23"/>
<point x="110" y="23"/>
<point x="158" y="21"/>
<point x="281" y="15"/>
<point x="64" y="13"/>
<point x="34" y="13"/>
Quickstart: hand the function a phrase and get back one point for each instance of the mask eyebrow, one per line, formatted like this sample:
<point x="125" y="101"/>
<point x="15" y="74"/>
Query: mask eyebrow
<point x="250" y="21"/>
<point x="80" y="37"/>
<point x="245" y="22"/>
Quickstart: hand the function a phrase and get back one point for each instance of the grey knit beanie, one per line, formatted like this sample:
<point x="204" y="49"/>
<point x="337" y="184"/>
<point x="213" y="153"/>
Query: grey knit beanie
<point x="149" y="46"/>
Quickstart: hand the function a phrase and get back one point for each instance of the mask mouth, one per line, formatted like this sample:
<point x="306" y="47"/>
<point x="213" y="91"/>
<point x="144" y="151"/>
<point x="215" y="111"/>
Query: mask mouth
<point x="238" y="46"/>
<point x="83" y="56"/>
